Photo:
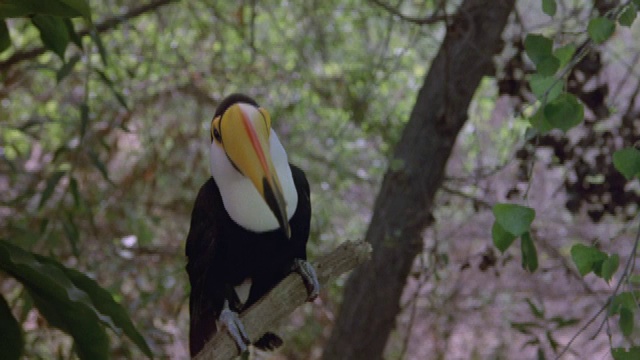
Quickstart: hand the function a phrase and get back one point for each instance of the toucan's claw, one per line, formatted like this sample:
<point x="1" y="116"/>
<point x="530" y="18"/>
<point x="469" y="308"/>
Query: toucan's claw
<point x="309" y="277"/>
<point x="231" y="321"/>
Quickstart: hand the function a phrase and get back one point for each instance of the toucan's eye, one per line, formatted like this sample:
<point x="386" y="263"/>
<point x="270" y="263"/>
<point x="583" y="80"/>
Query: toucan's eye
<point x="215" y="130"/>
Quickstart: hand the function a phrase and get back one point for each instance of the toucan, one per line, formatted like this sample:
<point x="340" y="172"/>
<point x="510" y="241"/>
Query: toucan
<point x="249" y="225"/>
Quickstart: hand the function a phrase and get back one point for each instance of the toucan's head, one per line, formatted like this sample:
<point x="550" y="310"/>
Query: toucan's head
<point x="241" y="141"/>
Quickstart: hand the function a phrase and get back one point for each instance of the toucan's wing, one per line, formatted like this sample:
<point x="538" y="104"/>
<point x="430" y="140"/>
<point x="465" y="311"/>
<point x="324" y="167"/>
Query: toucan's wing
<point x="207" y="286"/>
<point x="301" y="220"/>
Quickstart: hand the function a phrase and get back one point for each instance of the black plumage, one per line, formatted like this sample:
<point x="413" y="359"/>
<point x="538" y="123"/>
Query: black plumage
<point x="221" y="255"/>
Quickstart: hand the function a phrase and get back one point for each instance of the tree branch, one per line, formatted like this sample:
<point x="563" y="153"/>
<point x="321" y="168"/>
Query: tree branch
<point x="286" y="297"/>
<point x="428" y="20"/>
<point x="107" y="24"/>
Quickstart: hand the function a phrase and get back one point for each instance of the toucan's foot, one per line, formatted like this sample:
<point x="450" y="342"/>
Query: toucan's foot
<point x="309" y="277"/>
<point x="231" y="321"/>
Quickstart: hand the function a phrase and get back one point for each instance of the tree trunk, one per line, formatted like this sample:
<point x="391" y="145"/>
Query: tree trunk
<point x="404" y="203"/>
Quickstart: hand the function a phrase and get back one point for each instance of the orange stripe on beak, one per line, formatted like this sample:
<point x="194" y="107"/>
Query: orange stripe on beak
<point x="255" y="142"/>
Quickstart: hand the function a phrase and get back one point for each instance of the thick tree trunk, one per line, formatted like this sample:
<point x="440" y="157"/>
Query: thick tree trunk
<point x="403" y="206"/>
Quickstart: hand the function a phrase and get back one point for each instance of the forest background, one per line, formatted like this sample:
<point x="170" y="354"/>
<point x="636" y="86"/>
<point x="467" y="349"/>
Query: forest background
<point x="104" y="115"/>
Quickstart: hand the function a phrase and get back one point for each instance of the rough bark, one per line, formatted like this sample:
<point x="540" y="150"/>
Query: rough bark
<point x="404" y="203"/>
<point x="286" y="297"/>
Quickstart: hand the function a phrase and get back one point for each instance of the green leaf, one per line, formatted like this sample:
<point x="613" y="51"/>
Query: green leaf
<point x="5" y="39"/>
<point x="565" y="53"/>
<point x="536" y="311"/>
<point x="600" y="29"/>
<point x="634" y="279"/>
<point x="63" y="304"/>
<point x="84" y="118"/>
<point x="564" y="112"/>
<point x="549" y="85"/>
<point x="564" y="322"/>
<point x="538" y="47"/>
<point x="111" y="86"/>
<point x="90" y="339"/>
<point x="71" y="230"/>
<point x="610" y="266"/>
<point x="625" y="299"/>
<point x="529" y="253"/>
<point x="73" y="185"/>
<point x="13" y="8"/>
<point x="67" y="67"/>
<point x="586" y="258"/>
<point x="79" y="6"/>
<point x="99" y="165"/>
<point x="63" y="8"/>
<point x="53" y="33"/>
<point x="552" y="341"/>
<point x="95" y="36"/>
<point x="11" y="342"/>
<point x="52" y="182"/>
<point x="539" y="122"/>
<point x="548" y="66"/>
<point x="627" y="162"/>
<point x="623" y="354"/>
<point x="627" y="16"/>
<point x="514" y="219"/>
<point x="70" y="301"/>
<point x="525" y="327"/>
<point x="636" y="3"/>
<point x="626" y="321"/>
<point x="73" y="35"/>
<point x="549" y="7"/>
<point x="501" y="238"/>
<point x="112" y="313"/>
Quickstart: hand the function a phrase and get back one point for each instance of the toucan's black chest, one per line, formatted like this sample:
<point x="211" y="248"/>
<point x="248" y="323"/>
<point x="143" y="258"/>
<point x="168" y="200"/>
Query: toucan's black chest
<point x="222" y="253"/>
<point x="264" y="257"/>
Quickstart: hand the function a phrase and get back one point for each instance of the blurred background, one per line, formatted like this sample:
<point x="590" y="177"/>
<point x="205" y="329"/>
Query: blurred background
<point x="102" y="155"/>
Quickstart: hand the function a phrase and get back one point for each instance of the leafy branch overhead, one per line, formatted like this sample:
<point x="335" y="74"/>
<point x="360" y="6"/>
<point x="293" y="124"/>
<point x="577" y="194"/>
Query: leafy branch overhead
<point x="513" y="221"/>
<point x="556" y="108"/>
<point x="66" y="298"/>
<point x="559" y="109"/>
<point x="69" y="300"/>
<point x="52" y="18"/>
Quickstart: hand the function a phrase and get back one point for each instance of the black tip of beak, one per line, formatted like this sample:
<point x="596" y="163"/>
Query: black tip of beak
<point x="275" y="201"/>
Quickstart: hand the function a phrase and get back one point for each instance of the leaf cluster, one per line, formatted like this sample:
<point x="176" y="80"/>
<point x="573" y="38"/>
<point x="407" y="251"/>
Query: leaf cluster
<point x="68" y="300"/>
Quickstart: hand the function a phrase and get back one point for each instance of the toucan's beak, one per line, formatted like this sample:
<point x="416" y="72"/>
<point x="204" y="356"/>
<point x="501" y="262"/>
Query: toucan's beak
<point x="245" y="133"/>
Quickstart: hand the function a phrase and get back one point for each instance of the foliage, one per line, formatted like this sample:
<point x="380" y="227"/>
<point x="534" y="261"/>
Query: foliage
<point x="513" y="221"/>
<point x="559" y="109"/>
<point x="627" y="162"/>
<point x="103" y="147"/>
<point x="66" y="298"/>
<point x="70" y="301"/>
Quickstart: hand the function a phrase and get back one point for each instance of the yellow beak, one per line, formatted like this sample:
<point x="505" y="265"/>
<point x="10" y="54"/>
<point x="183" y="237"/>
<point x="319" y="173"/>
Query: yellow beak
<point x="245" y="130"/>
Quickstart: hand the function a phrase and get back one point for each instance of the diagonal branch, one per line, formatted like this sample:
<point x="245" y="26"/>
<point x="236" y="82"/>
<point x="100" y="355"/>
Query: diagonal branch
<point x="105" y="25"/>
<point x="286" y="297"/>
<point x="428" y="20"/>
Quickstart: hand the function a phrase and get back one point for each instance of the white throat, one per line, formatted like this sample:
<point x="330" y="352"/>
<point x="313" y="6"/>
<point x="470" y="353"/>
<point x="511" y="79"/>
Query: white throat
<point x="240" y="197"/>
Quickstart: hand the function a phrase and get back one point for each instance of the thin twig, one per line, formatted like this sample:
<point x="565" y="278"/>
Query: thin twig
<point x="427" y="20"/>
<point x="609" y="302"/>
